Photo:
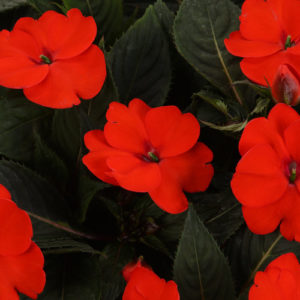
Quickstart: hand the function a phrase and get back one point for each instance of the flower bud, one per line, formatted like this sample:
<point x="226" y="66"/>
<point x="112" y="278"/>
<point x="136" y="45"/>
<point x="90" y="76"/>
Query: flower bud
<point x="285" y="87"/>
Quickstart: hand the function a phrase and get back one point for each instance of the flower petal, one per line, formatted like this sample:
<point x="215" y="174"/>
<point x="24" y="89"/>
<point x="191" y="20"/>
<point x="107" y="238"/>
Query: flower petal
<point x="262" y="220"/>
<point x="133" y="174"/>
<point x="259" y="179"/>
<point x="291" y="137"/>
<point x="18" y="69"/>
<point x="260" y="22"/>
<point x="62" y="36"/>
<point x="261" y="131"/>
<point x="144" y="284"/>
<point x="171" y="132"/>
<point x="15" y="229"/>
<point x="95" y="160"/>
<point x="262" y="70"/>
<point x="125" y="128"/>
<point x="23" y="273"/>
<point x="239" y="46"/>
<point x="170" y="291"/>
<point x="82" y="76"/>
<point x="282" y="116"/>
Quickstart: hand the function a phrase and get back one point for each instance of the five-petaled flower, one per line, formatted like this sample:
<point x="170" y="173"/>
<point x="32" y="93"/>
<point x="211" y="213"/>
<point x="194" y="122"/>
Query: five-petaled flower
<point x="152" y="150"/>
<point x="267" y="178"/>
<point x="268" y="37"/>
<point x="143" y="283"/>
<point x="52" y="59"/>
<point x="279" y="281"/>
<point x="21" y="260"/>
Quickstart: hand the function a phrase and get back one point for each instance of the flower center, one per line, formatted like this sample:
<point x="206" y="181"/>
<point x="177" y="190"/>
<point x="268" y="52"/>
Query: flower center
<point x="293" y="172"/>
<point x="289" y="43"/>
<point x="45" y="59"/>
<point x="152" y="157"/>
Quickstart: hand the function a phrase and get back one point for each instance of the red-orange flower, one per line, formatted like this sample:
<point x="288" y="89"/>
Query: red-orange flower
<point x="21" y="260"/>
<point x="269" y="36"/>
<point x="279" y="281"/>
<point x="267" y="178"/>
<point x="52" y="59"/>
<point x="144" y="284"/>
<point x="152" y="150"/>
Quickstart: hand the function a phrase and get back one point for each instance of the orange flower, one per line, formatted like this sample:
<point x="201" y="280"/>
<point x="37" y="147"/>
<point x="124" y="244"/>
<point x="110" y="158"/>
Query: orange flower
<point x="268" y="37"/>
<point x="21" y="260"/>
<point x="144" y="284"/>
<point x="153" y="150"/>
<point x="279" y="281"/>
<point x="267" y="178"/>
<point x="52" y="59"/>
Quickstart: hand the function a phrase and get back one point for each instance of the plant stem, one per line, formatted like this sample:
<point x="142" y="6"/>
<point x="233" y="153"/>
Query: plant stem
<point x="70" y="230"/>
<point x="262" y="260"/>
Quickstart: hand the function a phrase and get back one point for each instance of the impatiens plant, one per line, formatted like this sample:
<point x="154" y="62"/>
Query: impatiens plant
<point x="86" y="187"/>
<point x="152" y="150"/>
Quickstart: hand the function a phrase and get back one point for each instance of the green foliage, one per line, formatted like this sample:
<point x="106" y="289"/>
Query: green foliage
<point x="200" y="268"/>
<point x="140" y="61"/>
<point x="200" y="29"/>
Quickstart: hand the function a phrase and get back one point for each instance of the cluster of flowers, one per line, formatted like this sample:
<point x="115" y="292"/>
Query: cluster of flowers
<point x="156" y="150"/>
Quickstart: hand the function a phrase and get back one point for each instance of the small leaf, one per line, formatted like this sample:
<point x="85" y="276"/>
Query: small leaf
<point x="5" y="5"/>
<point x="234" y="127"/>
<point x="200" y="29"/>
<point x="140" y="61"/>
<point x="200" y="268"/>
<point x="165" y="16"/>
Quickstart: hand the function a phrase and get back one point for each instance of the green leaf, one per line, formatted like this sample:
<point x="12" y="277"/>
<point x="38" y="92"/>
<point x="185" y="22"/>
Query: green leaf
<point x="140" y="61"/>
<point x="98" y="106"/>
<point x="32" y="192"/>
<point x="107" y="14"/>
<point x="66" y="133"/>
<point x="42" y="5"/>
<point x="200" y="268"/>
<point x="5" y="5"/>
<point x="248" y="253"/>
<point x="72" y="276"/>
<point x="165" y="16"/>
<point x="233" y="127"/>
<point x="19" y="120"/>
<point x="86" y="190"/>
<point x="200" y="29"/>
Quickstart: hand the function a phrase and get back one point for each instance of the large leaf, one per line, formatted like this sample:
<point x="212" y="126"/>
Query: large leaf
<point x="200" y="29"/>
<point x="66" y="133"/>
<point x="108" y="15"/>
<point x="200" y="269"/>
<point x="32" y="192"/>
<point x="19" y="119"/>
<point x="248" y="253"/>
<point x="140" y="61"/>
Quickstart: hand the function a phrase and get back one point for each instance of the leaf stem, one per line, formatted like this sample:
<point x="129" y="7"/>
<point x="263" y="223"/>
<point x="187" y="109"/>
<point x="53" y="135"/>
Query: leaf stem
<point x="221" y="59"/>
<point x="262" y="260"/>
<point x="70" y="230"/>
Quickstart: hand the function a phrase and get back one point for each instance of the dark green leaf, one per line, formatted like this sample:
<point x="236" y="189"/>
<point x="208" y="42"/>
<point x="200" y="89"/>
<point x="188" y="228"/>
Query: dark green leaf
<point x="200" y="29"/>
<point x="66" y="133"/>
<point x="165" y="16"/>
<point x="42" y="5"/>
<point x="200" y="268"/>
<point x="248" y="253"/>
<point x="140" y="61"/>
<point x="19" y="119"/>
<point x="32" y="192"/>
<point x="72" y="277"/>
